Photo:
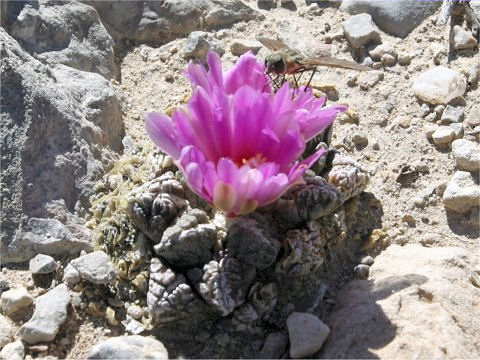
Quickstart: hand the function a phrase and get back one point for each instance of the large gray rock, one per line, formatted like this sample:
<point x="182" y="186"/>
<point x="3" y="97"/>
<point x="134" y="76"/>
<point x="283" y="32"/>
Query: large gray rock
<point x="129" y="347"/>
<point x="95" y="267"/>
<point x="60" y="128"/>
<point x="413" y="291"/>
<point x="67" y="33"/>
<point x="155" y="22"/>
<point x="397" y="18"/>
<point x="50" y="313"/>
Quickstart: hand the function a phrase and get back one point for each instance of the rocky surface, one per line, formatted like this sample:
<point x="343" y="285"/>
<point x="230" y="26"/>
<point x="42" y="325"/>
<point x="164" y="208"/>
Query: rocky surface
<point x="50" y="313"/>
<point x="407" y="296"/>
<point x="60" y="126"/>
<point x="185" y="274"/>
<point x="307" y="333"/>
<point x="129" y="347"/>
<point x="69" y="33"/>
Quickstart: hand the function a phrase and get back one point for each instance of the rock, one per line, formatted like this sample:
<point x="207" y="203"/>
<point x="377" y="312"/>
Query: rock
<point x="133" y="326"/>
<point x="158" y="23"/>
<point x="463" y="39"/>
<point x="129" y="347"/>
<point x="361" y="271"/>
<point x="240" y="47"/>
<point x="135" y="312"/>
<point x="199" y="43"/>
<point x="383" y="49"/>
<point x="412" y="290"/>
<point x="473" y="117"/>
<point x="46" y="236"/>
<point x="405" y="58"/>
<point x="274" y="346"/>
<point x="461" y="193"/>
<point x="452" y="115"/>
<point x="424" y="110"/>
<point x="371" y="79"/>
<point x="13" y="351"/>
<point x="397" y="18"/>
<point x="467" y="155"/>
<point x="457" y="129"/>
<point x="67" y="33"/>
<point x="50" y="313"/>
<point x="403" y="121"/>
<point x="6" y="331"/>
<point x="42" y="264"/>
<point x="388" y="60"/>
<point x="360" y="138"/>
<point x="95" y="267"/>
<point x="70" y="275"/>
<point x="443" y="136"/>
<point x="439" y="52"/>
<point x="77" y="116"/>
<point x="307" y="333"/>
<point x="367" y="260"/>
<point x="439" y="85"/>
<point x="360" y="30"/>
<point x="14" y="300"/>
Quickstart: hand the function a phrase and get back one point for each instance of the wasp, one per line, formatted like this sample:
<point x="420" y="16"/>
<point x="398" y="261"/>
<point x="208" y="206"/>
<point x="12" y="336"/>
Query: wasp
<point x="287" y="61"/>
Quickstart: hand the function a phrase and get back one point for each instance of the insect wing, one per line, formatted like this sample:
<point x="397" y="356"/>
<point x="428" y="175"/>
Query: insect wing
<point x="272" y="44"/>
<point x="333" y="62"/>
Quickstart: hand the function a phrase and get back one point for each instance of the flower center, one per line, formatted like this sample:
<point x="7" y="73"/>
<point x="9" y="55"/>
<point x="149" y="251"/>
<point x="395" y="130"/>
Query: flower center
<point x="254" y="161"/>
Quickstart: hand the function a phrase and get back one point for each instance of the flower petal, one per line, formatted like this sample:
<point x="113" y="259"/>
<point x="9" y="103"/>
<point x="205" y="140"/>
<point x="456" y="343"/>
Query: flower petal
<point x="160" y="129"/>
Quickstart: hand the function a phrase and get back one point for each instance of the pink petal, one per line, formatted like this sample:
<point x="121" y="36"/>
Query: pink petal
<point x="247" y="71"/>
<point x="215" y="68"/>
<point x="315" y="122"/>
<point x="161" y="130"/>
<point x="299" y="168"/>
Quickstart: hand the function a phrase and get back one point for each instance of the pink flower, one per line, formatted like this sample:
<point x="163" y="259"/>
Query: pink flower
<point x="236" y="141"/>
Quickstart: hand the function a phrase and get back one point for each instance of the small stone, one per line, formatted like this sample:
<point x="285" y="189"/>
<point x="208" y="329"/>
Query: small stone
<point x="361" y="271"/>
<point x="409" y="219"/>
<point x="443" y="136"/>
<point x="133" y="326"/>
<point x="376" y="146"/>
<point x="466" y="154"/>
<point x="70" y="275"/>
<point x="199" y="43"/>
<point x="473" y="117"/>
<point x="403" y="121"/>
<point x="388" y="60"/>
<point x="452" y="115"/>
<point x="360" y="138"/>
<point x="95" y="267"/>
<point x="6" y="331"/>
<point x="429" y="130"/>
<point x="439" y="109"/>
<point x="65" y="341"/>
<point x="110" y="315"/>
<point x="135" y="312"/>
<point x="431" y="117"/>
<point x="42" y="264"/>
<point x="239" y="48"/>
<point x="404" y="59"/>
<point x="419" y="202"/>
<point x="367" y="260"/>
<point x="439" y="85"/>
<point x="13" y="351"/>
<point x="352" y="80"/>
<point x="461" y="193"/>
<point x="360" y="30"/>
<point x="266" y="4"/>
<point x="383" y="49"/>
<point x="307" y="333"/>
<point x="463" y="39"/>
<point x="458" y="130"/>
<point x="14" y="300"/>
<point x="50" y="313"/>
<point x="424" y="110"/>
<point x="129" y="347"/>
<point x="438" y="52"/>
<point x="274" y="346"/>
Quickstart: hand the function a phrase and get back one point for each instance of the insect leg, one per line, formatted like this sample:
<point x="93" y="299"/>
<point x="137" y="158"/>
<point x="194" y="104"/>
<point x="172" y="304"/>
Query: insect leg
<point x="311" y="77"/>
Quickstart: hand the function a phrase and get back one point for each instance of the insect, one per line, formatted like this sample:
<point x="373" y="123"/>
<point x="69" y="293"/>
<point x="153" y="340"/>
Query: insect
<point x="287" y="61"/>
